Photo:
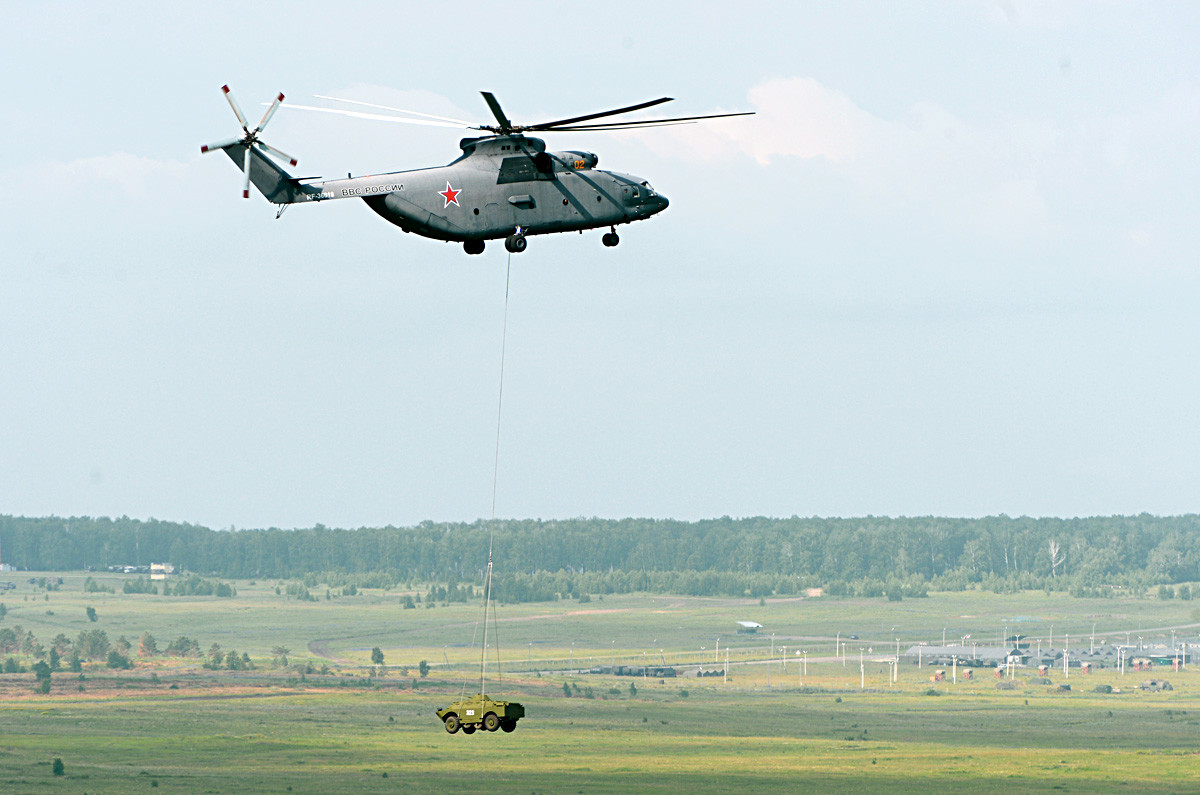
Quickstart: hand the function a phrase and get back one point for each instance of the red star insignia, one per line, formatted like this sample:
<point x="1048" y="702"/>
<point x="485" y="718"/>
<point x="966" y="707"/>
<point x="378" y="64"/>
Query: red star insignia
<point x="450" y="195"/>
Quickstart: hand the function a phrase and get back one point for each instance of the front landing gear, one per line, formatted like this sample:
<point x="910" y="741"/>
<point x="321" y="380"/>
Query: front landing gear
<point x="610" y="239"/>
<point x="473" y="246"/>
<point x="515" y="244"/>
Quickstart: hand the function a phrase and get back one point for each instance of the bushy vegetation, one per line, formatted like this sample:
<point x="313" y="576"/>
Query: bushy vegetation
<point x="140" y="585"/>
<point x="197" y="586"/>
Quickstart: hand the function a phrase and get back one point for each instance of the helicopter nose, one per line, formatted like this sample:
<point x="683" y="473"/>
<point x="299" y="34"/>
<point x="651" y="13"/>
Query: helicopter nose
<point x="661" y="203"/>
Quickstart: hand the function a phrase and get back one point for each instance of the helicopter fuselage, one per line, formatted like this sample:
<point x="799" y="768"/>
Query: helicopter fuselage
<point x="500" y="186"/>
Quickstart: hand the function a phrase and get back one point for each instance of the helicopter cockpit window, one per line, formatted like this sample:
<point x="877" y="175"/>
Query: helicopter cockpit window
<point x="649" y="190"/>
<point x="523" y="169"/>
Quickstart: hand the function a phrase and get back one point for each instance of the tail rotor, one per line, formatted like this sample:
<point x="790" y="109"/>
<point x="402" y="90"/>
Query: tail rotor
<point x="249" y="139"/>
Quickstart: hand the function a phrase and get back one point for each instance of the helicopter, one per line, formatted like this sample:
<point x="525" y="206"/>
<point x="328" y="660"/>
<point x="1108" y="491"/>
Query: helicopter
<point x="505" y="184"/>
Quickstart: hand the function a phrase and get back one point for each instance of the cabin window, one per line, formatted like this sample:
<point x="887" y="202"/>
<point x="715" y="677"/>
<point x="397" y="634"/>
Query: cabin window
<point x="523" y="169"/>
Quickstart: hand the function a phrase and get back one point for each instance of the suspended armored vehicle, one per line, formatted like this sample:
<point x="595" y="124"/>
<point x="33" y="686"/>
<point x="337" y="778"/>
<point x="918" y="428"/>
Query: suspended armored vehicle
<point x="481" y="712"/>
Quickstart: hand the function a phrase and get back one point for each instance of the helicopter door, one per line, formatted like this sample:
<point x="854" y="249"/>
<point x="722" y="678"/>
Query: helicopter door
<point x="499" y="217"/>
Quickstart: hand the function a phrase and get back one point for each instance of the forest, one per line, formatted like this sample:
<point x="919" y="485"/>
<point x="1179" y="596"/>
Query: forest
<point x="539" y="559"/>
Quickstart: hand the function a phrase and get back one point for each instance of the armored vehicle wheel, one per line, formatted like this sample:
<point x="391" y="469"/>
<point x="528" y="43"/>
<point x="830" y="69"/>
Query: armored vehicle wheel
<point x="452" y="723"/>
<point x="468" y="728"/>
<point x="491" y="722"/>
<point x="473" y="246"/>
<point x="508" y="725"/>
<point x="515" y="243"/>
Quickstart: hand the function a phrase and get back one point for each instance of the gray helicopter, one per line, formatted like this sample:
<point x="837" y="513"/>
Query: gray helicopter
<point x="504" y="185"/>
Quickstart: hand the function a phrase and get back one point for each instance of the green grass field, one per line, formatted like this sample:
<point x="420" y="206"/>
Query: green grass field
<point x="169" y="726"/>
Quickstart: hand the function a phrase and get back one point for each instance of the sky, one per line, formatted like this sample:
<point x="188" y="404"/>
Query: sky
<point x="949" y="267"/>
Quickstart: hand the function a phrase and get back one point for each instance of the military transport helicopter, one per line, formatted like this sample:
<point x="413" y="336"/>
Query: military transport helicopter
<point x="504" y="185"/>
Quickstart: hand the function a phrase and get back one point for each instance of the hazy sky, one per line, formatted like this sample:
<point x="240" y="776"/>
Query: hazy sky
<point x="949" y="268"/>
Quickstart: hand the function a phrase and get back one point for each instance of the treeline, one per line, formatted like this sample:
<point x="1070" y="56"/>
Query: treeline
<point x="755" y="555"/>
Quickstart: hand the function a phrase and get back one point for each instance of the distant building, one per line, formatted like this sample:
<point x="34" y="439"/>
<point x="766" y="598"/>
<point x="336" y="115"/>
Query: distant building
<point x="748" y="627"/>
<point x="159" y="571"/>
<point x="995" y="656"/>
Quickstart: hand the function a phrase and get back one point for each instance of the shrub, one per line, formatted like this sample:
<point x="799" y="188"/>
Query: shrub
<point x="91" y="586"/>
<point x="57" y="767"/>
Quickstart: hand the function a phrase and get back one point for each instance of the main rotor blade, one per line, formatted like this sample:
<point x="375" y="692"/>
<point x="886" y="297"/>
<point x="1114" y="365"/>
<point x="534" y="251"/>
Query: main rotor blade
<point x="241" y="117"/>
<point x="397" y="110"/>
<point x="376" y="116"/>
<point x="546" y="125"/>
<point x="246" y="184"/>
<point x="506" y="126"/>
<point x="612" y="127"/>
<point x="219" y="145"/>
<point x="648" y="122"/>
<point x="278" y="152"/>
<point x="270" y="112"/>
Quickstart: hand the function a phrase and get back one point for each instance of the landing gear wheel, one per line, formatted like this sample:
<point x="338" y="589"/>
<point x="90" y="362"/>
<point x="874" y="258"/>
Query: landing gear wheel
<point x="452" y="723"/>
<point x="491" y="722"/>
<point x="468" y="728"/>
<point x="610" y="239"/>
<point x="508" y="726"/>
<point x="515" y="244"/>
<point x="473" y="246"/>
